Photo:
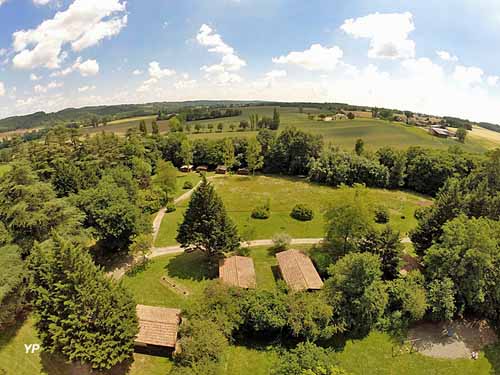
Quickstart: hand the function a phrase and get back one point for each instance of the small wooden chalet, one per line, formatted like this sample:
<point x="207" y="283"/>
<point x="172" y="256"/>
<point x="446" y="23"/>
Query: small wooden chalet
<point x="158" y="327"/>
<point x="298" y="271"/>
<point x="186" y="168"/>
<point x="202" y="168"/>
<point x="243" y="171"/>
<point x="221" y="169"/>
<point x="238" y="271"/>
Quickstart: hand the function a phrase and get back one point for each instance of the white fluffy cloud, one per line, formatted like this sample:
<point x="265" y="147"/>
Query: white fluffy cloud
<point x="2" y="2"/>
<point x="155" y="71"/>
<point x="34" y="77"/>
<point x="86" y="68"/>
<point x="42" y="2"/>
<point x="39" y="89"/>
<point x="137" y="72"/>
<point x="316" y="57"/>
<point x="446" y="56"/>
<point x="2" y="88"/>
<point x="86" y="88"/>
<point x="468" y="75"/>
<point x="275" y="74"/>
<point x="224" y="72"/>
<point x="388" y="34"/>
<point x="492" y="80"/>
<point x="85" y="23"/>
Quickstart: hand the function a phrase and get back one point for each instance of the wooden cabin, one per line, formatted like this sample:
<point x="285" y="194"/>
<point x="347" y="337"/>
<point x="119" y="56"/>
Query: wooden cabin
<point x="243" y="171"/>
<point x="158" y="327"/>
<point x="298" y="271"/>
<point x="186" y="168"/>
<point x="238" y="271"/>
<point x="221" y="169"/>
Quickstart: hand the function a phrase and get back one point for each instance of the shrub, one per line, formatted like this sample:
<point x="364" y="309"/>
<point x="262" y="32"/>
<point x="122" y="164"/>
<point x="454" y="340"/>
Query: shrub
<point x="261" y="212"/>
<point x="170" y="207"/>
<point x="281" y="242"/>
<point x="187" y="185"/>
<point x="302" y="212"/>
<point x="381" y="215"/>
<point x="305" y="357"/>
<point x="201" y="341"/>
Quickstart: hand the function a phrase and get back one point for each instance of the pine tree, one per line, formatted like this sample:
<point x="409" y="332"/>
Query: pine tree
<point x="143" y="128"/>
<point x="276" y="119"/>
<point x="254" y="156"/>
<point x="80" y="313"/>
<point x="206" y="226"/>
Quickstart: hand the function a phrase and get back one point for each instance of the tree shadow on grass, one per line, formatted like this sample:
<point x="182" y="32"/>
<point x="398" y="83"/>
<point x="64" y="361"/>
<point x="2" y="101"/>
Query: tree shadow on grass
<point x="9" y="332"/>
<point x="56" y="365"/>
<point x="191" y="266"/>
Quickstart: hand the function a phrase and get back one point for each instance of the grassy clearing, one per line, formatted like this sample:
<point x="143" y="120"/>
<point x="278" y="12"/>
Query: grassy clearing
<point x="241" y="194"/>
<point x="343" y="133"/>
<point x="4" y="168"/>
<point x="120" y="127"/>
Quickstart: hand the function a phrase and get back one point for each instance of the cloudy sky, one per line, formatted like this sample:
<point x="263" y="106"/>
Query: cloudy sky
<point x="437" y="57"/>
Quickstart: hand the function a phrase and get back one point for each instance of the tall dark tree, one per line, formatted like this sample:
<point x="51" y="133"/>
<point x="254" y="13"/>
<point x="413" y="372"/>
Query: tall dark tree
<point x="155" y="128"/>
<point x="80" y="313"/>
<point x="359" y="148"/>
<point x="207" y="226"/>
<point x="143" y="127"/>
<point x="276" y="119"/>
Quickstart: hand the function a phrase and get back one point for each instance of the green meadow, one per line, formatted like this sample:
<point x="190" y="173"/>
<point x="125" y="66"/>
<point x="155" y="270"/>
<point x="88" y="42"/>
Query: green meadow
<point x="342" y="133"/>
<point x="241" y="194"/>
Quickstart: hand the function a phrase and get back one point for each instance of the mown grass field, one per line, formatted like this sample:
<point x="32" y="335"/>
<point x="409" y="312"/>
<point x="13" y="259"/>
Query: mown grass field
<point x="343" y="133"/>
<point x="241" y="194"/>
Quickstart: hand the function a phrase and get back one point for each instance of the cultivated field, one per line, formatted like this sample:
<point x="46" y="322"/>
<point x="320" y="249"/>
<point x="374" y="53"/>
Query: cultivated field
<point x="242" y="194"/>
<point x="343" y="133"/>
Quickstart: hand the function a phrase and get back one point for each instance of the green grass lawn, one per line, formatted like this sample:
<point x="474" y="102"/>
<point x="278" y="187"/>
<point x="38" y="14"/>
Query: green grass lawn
<point x="4" y="168"/>
<point x="241" y="194"/>
<point x="343" y="133"/>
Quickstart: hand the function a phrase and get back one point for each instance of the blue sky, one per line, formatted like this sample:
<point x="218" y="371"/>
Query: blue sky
<point x="426" y="56"/>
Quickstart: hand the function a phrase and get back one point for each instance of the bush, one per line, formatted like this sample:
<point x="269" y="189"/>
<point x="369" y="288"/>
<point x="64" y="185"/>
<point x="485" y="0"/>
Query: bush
<point x="170" y="207"/>
<point x="302" y="212"/>
<point x="261" y="212"/>
<point x="201" y="341"/>
<point x="187" y="185"/>
<point x="281" y="242"/>
<point x="381" y="215"/>
<point x="305" y="357"/>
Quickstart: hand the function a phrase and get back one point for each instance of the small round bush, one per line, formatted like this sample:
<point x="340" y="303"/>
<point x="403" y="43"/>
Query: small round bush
<point x="302" y="212"/>
<point x="187" y="185"/>
<point x="261" y="212"/>
<point x="170" y="207"/>
<point x="381" y="215"/>
<point x="281" y="242"/>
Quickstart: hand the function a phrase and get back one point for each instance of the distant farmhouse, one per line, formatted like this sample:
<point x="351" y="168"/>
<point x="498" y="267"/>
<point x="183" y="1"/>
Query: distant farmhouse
<point x="440" y="132"/>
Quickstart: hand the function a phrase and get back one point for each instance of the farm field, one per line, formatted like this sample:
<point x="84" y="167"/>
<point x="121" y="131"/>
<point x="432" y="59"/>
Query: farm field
<point x="121" y="126"/>
<point x="343" y="133"/>
<point x="241" y="194"/>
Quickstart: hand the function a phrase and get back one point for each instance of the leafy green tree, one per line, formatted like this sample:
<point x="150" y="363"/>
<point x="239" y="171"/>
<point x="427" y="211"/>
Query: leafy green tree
<point x="461" y="134"/>
<point x="80" y="313"/>
<point x="265" y="311"/>
<point x="407" y="297"/>
<point x="166" y="177"/>
<point x="206" y="225"/>
<point x="386" y="244"/>
<point x="441" y="299"/>
<point x="232" y="126"/>
<point x="220" y="126"/>
<point x="141" y="171"/>
<point x="306" y="356"/>
<point x="359" y="148"/>
<point x="30" y="210"/>
<point x="310" y="317"/>
<point x="141" y="246"/>
<point x="13" y="290"/>
<point x="253" y="155"/>
<point x="186" y="152"/>
<point x="347" y="222"/>
<point x="356" y="292"/>
<point x="210" y="127"/>
<point x="197" y="127"/>
<point x="350" y="116"/>
<point x="395" y="161"/>
<point x="228" y="152"/>
<point x="66" y="178"/>
<point x="201" y="340"/>
<point x="112" y="210"/>
<point x="155" y="128"/>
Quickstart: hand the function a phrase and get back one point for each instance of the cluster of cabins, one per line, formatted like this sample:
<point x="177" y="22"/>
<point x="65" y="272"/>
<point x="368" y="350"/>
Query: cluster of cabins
<point x="221" y="169"/>
<point x="158" y="326"/>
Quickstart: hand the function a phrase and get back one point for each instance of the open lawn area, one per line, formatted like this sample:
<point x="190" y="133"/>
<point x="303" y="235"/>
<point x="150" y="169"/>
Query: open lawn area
<point x="343" y="133"/>
<point x="241" y="194"/>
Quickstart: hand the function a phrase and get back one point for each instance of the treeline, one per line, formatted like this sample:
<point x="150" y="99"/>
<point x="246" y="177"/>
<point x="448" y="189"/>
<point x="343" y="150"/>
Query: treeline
<point x="195" y="114"/>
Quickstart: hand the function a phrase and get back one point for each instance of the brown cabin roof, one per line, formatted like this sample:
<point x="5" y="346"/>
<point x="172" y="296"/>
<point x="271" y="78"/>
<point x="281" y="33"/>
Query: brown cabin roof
<point x="157" y="325"/>
<point x="298" y="270"/>
<point x="237" y="271"/>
